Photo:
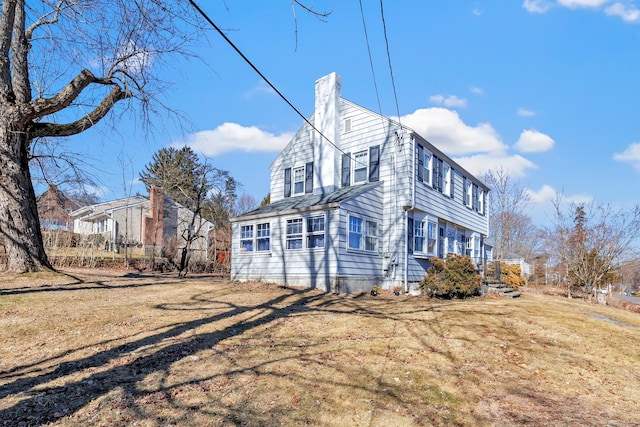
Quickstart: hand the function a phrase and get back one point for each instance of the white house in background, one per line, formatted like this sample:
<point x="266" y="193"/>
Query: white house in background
<point x="515" y="259"/>
<point x="153" y="222"/>
<point x="356" y="200"/>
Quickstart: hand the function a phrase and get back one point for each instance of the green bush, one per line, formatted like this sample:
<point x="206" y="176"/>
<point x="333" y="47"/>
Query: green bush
<point x="454" y="278"/>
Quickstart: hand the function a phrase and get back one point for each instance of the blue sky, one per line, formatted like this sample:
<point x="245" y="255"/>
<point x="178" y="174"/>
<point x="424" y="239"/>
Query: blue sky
<point x="546" y="89"/>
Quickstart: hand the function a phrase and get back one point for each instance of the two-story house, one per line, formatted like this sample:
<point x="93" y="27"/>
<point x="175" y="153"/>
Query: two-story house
<point x="358" y="199"/>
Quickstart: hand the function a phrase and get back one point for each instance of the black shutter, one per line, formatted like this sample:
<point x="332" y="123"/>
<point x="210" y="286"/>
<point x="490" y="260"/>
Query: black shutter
<point x="346" y="170"/>
<point x="410" y="235"/>
<point x="451" y="181"/>
<point x="464" y="190"/>
<point x="440" y="172"/>
<point x="475" y="198"/>
<point x="420" y="170"/>
<point x="308" y="178"/>
<point x="374" y="163"/>
<point x="434" y="172"/>
<point x="287" y="182"/>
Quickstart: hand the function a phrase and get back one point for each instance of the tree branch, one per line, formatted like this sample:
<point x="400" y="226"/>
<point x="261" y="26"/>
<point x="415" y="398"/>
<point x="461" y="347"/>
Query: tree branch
<point x="43" y="21"/>
<point x="37" y="130"/>
<point x="41" y="107"/>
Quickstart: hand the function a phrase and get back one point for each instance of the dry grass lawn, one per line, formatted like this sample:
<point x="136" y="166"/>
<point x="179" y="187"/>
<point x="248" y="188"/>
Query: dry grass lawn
<point x="105" y="348"/>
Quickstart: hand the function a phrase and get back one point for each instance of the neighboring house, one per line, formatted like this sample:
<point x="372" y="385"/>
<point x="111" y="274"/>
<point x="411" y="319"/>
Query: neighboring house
<point x="515" y="259"/>
<point x="54" y="209"/>
<point x="155" y="222"/>
<point x="357" y="201"/>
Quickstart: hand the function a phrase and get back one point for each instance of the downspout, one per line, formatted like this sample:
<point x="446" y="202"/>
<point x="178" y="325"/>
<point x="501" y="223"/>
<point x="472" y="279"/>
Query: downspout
<point x="408" y="208"/>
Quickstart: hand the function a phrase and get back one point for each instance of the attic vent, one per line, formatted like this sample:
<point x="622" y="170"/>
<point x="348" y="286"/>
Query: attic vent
<point x="347" y="125"/>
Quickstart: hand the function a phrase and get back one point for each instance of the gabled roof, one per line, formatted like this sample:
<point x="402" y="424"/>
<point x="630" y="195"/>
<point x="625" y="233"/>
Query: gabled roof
<point x="307" y="202"/>
<point x="92" y="211"/>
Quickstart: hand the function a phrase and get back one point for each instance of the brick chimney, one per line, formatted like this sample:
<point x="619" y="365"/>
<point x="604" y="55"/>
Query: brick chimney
<point x="154" y="226"/>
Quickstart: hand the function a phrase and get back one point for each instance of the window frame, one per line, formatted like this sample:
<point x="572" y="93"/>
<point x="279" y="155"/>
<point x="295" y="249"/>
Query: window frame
<point x="358" y="168"/>
<point x="446" y="179"/>
<point x="366" y="231"/>
<point x="427" y="160"/>
<point x="291" y="236"/>
<point x="310" y="234"/>
<point x="300" y="170"/>
<point x="425" y="236"/>
<point x="254" y="238"/>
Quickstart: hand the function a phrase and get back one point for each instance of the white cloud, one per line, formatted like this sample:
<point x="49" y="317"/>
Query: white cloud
<point x="542" y="206"/>
<point x="482" y="163"/>
<point x="630" y="155"/>
<point x="574" y="4"/>
<point x="532" y="141"/>
<point x="536" y="6"/>
<point x="260" y="89"/>
<point x="628" y="13"/>
<point x="523" y="112"/>
<point x="234" y="137"/>
<point x="546" y="194"/>
<point x="445" y="129"/>
<point x="476" y="90"/>
<point x="448" y="101"/>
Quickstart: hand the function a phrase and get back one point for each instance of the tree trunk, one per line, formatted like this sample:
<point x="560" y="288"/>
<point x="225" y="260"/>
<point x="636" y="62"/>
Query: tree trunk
<point x="19" y="223"/>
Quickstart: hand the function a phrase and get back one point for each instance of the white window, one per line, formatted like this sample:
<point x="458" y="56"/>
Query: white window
<point x="428" y="163"/>
<point x="294" y="233"/>
<point x="263" y="237"/>
<point x="451" y="239"/>
<point x="246" y="238"/>
<point x="363" y="234"/>
<point x="425" y="236"/>
<point x="361" y="167"/>
<point x="481" y="201"/>
<point x="446" y="179"/>
<point x="315" y="232"/>
<point x="468" y="192"/>
<point x="260" y="241"/>
<point x="298" y="180"/>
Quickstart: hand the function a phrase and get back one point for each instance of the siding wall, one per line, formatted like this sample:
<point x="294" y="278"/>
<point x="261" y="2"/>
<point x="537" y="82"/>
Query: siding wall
<point x="339" y="268"/>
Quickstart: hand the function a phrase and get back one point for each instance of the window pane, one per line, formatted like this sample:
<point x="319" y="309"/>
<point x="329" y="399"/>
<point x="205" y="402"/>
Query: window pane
<point x="294" y="233"/>
<point x="316" y="241"/>
<point x="263" y="244"/>
<point x="298" y="180"/>
<point x="360" y="167"/>
<point x="371" y="243"/>
<point x="355" y="232"/>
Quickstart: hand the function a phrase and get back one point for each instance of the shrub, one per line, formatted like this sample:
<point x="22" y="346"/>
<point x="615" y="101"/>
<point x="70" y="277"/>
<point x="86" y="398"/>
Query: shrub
<point x="454" y="278"/>
<point x="510" y="274"/>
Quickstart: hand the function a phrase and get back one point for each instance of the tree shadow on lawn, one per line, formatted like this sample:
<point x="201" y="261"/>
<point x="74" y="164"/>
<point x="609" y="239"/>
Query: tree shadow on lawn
<point x="46" y="403"/>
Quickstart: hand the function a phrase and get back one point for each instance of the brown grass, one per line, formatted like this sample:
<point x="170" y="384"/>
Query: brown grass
<point x="100" y="348"/>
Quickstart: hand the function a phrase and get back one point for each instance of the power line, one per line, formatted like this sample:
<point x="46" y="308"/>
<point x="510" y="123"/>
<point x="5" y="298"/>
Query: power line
<point x="373" y="73"/>
<point x="393" y="83"/>
<point x="210" y="21"/>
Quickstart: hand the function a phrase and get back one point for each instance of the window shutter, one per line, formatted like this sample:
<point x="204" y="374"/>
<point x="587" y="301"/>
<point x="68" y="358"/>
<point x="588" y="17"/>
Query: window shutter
<point x="346" y="169"/>
<point x="464" y="190"/>
<point x="439" y="177"/>
<point x="451" y="182"/>
<point x="374" y="163"/>
<point x="308" y="178"/>
<point x="410" y="235"/>
<point x="475" y="198"/>
<point x="287" y="182"/>
<point x="420" y="163"/>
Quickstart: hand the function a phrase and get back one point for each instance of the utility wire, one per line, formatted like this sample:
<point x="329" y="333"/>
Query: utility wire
<point x="373" y="73"/>
<point x="393" y="83"/>
<point x="210" y="21"/>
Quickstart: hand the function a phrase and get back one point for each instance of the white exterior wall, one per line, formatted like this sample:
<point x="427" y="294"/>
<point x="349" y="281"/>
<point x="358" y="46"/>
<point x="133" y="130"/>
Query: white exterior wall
<point x="398" y="197"/>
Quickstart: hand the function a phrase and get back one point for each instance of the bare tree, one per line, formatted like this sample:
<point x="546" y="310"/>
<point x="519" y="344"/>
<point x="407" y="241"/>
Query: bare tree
<point x="245" y="203"/>
<point x="591" y="241"/>
<point x="511" y="229"/>
<point x="62" y="59"/>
